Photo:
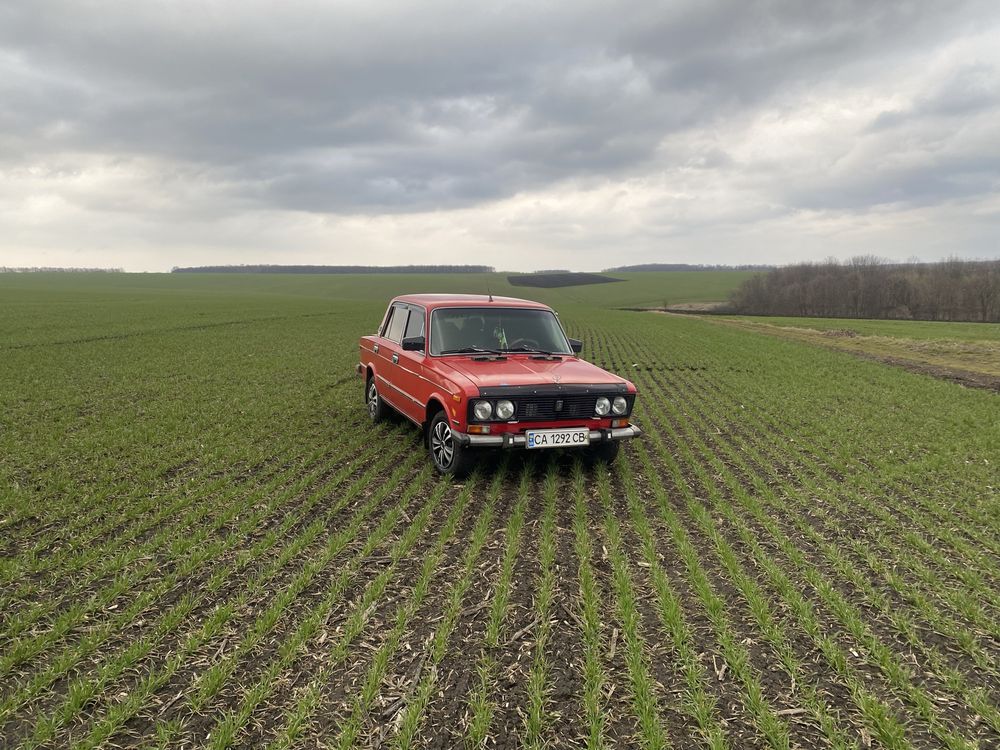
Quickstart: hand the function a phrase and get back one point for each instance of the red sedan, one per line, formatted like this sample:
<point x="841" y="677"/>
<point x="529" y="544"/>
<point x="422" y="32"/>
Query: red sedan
<point x="478" y="371"/>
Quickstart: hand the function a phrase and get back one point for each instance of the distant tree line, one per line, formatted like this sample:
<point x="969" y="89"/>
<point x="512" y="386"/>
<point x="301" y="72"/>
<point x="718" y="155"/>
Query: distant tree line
<point x="332" y="269"/>
<point x="871" y="287"/>
<point x="684" y="267"/>
<point x="46" y="269"/>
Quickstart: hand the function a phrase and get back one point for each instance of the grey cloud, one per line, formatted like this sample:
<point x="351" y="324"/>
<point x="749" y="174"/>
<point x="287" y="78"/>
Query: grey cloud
<point x="951" y="180"/>
<point x="970" y="91"/>
<point x="469" y="108"/>
<point x="334" y="109"/>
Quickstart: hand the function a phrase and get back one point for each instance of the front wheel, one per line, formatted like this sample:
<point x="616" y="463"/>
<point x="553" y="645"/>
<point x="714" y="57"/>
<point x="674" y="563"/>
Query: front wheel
<point x="448" y="456"/>
<point x="604" y="452"/>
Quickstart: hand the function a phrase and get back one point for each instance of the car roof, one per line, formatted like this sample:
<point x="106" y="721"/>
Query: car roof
<point x="432" y="301"/>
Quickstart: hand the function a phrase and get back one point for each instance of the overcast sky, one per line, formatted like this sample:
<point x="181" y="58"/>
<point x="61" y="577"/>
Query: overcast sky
<point x="522" y="135"/>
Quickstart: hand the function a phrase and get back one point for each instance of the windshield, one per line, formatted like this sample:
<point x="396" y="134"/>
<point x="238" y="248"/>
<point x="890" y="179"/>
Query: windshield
<point x="496" y="329"/>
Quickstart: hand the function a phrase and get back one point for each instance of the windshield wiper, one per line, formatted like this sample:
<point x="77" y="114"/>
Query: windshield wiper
<point x="471" y="350"/>
<point x="531" y="351"/>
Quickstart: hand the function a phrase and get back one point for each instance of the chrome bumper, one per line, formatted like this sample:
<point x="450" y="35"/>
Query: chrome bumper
<point x="509" y="440"/>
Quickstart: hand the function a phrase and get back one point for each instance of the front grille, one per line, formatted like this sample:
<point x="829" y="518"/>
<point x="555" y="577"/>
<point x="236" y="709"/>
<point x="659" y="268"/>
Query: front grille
<point x="554" y="402"/>
<point x="539" y="408"/>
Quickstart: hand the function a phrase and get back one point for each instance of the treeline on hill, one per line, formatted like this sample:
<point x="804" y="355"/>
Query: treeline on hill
<point x="871" y="287"/>
<point x="333" y="269"/>
<point x="684" y="267"/>
<point x="45" y="269"/>
<point x="556" y="279"/>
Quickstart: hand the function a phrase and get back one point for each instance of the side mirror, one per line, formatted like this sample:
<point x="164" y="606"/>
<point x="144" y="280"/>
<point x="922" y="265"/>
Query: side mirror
<point x="576" y="345"/>
<point x="414" y="344"/>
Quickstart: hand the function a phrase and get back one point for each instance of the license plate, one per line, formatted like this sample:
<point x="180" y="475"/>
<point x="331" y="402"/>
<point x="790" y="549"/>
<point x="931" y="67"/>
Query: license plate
<point x="558" y="438"/>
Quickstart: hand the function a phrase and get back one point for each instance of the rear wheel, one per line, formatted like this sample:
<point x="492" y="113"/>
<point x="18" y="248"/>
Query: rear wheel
<point x="604" y="452"/>
<point x="377" y="409"/>
<point x="448" y="456"/>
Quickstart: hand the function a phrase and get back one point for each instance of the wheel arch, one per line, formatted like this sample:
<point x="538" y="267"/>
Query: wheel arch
<point x="434" y="405"/>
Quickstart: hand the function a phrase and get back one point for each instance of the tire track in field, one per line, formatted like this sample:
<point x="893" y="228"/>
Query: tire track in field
<point x="160" y="331"/>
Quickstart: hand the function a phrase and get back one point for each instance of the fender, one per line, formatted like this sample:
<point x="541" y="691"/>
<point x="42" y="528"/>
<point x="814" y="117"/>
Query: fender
<point x="453" y="408"/>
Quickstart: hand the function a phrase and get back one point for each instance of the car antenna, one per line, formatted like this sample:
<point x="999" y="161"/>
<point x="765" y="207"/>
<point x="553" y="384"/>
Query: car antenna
<point x="490" y="293"/>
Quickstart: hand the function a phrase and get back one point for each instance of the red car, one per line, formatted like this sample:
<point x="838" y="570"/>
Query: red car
<point x="478" y="371"/>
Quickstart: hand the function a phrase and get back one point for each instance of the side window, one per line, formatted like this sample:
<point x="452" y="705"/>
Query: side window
<point x="415" y="326"/>
<point x="384" y="330"/>
<point x="397" y="324"/>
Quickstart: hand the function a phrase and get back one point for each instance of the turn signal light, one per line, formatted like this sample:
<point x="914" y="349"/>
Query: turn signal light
<point x="619" y="423"/>
<point x="479" y="429"/>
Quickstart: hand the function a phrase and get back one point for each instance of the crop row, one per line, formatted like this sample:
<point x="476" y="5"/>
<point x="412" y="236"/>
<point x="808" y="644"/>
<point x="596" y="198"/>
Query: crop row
<point x="757" y="570"/>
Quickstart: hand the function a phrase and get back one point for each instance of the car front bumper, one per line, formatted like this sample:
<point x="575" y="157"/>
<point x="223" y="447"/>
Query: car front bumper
<point x="514" y="440"/>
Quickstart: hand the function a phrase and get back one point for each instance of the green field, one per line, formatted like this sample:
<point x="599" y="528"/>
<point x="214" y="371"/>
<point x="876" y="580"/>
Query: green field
<point x="923" y="330"/>
<point x="204" y="543"/>
<point x="58" y="306"/>
<point x="967" y="352"/>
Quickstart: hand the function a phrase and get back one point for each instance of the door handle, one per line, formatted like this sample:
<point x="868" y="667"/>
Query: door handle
<point x="395" y="359"/>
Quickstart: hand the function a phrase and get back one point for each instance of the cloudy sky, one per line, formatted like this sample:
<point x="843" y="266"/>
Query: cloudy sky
<point x="522" y="135"/>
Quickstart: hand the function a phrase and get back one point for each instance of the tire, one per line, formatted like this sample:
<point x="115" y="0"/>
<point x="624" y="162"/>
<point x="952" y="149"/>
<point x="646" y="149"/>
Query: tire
<point x="378" y="410"/>
<point x="604" y="452"/>
<point x="450" y="458"/>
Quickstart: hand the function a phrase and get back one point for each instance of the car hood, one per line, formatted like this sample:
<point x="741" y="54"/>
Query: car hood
<point x="520" y="370"/>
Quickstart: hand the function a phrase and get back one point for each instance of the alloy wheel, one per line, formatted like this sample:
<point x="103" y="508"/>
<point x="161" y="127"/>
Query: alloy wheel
<point x="442" y="445"/>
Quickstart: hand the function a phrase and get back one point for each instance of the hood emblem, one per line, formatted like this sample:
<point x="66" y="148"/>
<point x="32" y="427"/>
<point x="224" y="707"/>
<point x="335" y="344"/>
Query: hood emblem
<point x="556" y="378"/>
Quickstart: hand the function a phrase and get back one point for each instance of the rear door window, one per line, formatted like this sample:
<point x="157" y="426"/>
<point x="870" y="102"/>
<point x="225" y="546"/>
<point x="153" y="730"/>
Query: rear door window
<point x="384" y="330"/>
<point x="397" y="324"/>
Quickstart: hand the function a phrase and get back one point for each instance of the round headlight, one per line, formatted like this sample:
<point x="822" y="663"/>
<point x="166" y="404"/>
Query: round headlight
<point x="602" y="407"/>
<point x="505" y="409"/>
<point x="482" y="410"/>
<point x="620" y="405"/>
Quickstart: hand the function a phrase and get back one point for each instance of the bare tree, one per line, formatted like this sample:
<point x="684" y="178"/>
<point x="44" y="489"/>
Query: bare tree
<point x="867" y="286"/>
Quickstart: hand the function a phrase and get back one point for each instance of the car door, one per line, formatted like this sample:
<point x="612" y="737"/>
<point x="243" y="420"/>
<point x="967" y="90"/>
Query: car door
<point x="411" y="364"/>
<point x="387" y="352"/>
<point x="399" y="379"/>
